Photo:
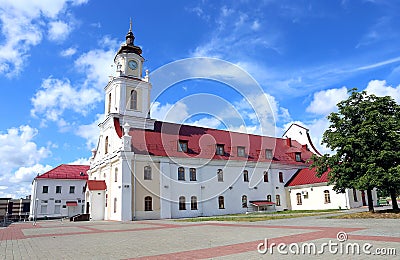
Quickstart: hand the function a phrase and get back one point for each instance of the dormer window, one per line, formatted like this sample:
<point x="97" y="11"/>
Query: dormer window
<point x="241" y="152"/>
<point x="220" y="149"/>
<point x="268" y="154"/>
<point x="297" y="157"/>
<point x="182" y="146"/>
<point x="133" y="100"/>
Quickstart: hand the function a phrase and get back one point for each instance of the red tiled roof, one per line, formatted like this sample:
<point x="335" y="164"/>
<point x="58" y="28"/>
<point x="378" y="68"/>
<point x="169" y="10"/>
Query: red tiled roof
<point x="307" y="176"/>
<point x="163" y="141"/>
<point x="96" y="185"/>
<point x="66" y="171"/>
<point x="262" y="203"/>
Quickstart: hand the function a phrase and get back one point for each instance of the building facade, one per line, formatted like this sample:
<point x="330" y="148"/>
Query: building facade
<point x="59" y="192"/>
<point x="152" y="169"/>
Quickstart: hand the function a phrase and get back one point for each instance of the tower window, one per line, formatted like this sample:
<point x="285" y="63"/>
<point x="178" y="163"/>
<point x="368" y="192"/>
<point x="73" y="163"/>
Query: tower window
<point x="133" y="100"/>
<point x="147" y="173"/>
<point x="106" y="145"/>
<point x="109" y="103"/>
<point x="116" y="175"/>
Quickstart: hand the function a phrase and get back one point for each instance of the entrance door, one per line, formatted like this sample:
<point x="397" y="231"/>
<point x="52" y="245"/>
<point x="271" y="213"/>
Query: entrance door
<point x="363" y="198"/>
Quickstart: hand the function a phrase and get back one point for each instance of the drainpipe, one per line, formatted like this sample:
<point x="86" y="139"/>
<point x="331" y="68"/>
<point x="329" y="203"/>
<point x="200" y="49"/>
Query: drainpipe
<point x="134" y="186"/>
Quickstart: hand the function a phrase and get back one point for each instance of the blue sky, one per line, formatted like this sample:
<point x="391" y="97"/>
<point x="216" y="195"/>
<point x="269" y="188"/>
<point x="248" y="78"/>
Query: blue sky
<point x="56" y="56"/>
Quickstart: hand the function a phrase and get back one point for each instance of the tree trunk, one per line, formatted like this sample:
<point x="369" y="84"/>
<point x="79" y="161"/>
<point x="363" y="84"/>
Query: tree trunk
<point x="393" y="196"/>
<point x="370" y="201"/>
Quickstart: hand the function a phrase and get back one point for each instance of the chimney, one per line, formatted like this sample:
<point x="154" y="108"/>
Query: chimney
<point x="289" y="142"/>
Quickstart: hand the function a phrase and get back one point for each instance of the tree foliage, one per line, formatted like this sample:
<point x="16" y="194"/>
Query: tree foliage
<point x="365" y="136"/>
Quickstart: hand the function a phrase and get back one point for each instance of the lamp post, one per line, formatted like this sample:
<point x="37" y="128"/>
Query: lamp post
<point x="35" y="214"/>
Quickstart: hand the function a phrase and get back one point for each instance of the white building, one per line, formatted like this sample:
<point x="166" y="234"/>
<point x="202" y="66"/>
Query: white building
<point x="59" y="192"/>
<point x="308" y="192"/>
<point x="154" y="169"/>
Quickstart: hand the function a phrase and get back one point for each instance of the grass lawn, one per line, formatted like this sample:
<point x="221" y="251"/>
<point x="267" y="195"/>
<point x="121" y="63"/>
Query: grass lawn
<point x="260" y="216"/>
<point x="389" y="213"/>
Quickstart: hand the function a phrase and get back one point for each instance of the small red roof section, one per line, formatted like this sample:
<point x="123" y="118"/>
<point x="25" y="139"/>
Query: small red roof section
<point x="262" y="203"/>
<point x="71" y="203"/>
<point x="96" y="185"/>
<point x="66" y="171"/>
<point x="307" y="176"/>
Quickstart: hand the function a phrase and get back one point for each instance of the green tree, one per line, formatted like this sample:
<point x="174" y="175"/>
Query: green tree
<point x="365" y="136"/>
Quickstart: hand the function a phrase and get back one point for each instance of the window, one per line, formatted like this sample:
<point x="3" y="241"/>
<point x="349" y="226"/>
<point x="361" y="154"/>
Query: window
<point x="245" y="176"/>
<point x="115" y="205"/>
<point x="106" y="145"/>
<point x="182" y="203"/>
<point x="241" y="151"/>
<point x="269" y="198"/>
<point x="268" y="154"/>
<point x="181" y="174"/>
<point x="148" y="203"/>
<point x="45" y="189"/>
<point x="265" y="176"/>
<point x="193" y="203"/>
<point x="220" y="149"/>
<point x="327" y="196"/>
<point x="192" y="174"/>
<point x="147" y="173"/>
<point x="278" y="200"/>
<point x="220" y="175"/>
<point x="182" y="146"/>
<point x="58" y="189"/>
<point x="45" y="201"/>
<point x="43" y="209"/>
<point x="57" y="209"/>
<point x="109" y="103"/>
<point x="298" y="196"/>
<point x="355" y="195"/>
<point x="244" y="201"/>
<point x="71" y="189"/>
<point x="116" y="175"/>
<point x="298" y="157"/>
<point x="280" y="177"/>
<point x="133" y="100"/>
<point x="57" y="201"/>
<point x="221" y="202"/>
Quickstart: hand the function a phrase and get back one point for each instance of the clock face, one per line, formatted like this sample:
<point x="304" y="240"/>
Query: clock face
<point x="132" y="64"/>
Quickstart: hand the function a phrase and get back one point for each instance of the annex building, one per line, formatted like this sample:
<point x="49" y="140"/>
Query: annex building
<point x="148" y="169"/>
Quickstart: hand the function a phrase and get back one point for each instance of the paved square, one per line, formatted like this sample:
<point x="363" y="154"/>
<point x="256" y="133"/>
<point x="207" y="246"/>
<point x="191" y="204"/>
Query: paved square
<point x="168" y="239"/>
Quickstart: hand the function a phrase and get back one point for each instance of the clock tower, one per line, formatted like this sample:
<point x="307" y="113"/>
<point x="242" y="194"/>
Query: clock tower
<point x="128" y="92"/>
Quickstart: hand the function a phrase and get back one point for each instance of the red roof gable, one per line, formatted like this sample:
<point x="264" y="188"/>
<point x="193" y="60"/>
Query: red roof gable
<point x="66" y="171"/>
<point x="96" y="185"/>
<point x="307" y="176"/>
<point x="163" y="141"/>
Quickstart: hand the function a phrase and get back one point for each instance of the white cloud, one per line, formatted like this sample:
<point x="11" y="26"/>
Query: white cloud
<point x="80" y="161"/>
<point x="380" y="88"/>
<point x="27" y="174"/>
<point x="23" y="24"/>
<point x="90" y="132"/>
<point x="324" y="102"/>
<point x="68" y="52"/>
<point x="56" y="96"/>
<point x="176" y="113"/>
<point x="207" y="122"/>
<point x="58" y="31"/>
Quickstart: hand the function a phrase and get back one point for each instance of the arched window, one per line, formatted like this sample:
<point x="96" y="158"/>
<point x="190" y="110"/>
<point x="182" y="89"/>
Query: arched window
<point x="269" y="198"/>
<point x="244" y="201"/>
<point x="182" y="203"/>
<point x="106" y="145"/>
<point x="193" y="203"/>
<point x="109" y="103"/>
<point x="327" y="196"/>
<point x="147" y="173"/>
<point x="221" y="204"/>
<point x="245" y="176"/>
<point x="116" y="175"/>
<point x="298" y="197"/>
<point x="181" y="174"/>
<point x="278" y="200"/>
<point x="280" y="177"/>
<point x="148" y="203"/>
<point x="265" y="176"/>
<point x="193" y="176"/>
<point x="115" y="205"/>
<point x="220" y="175"/>
<point x="133" y="100"/>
